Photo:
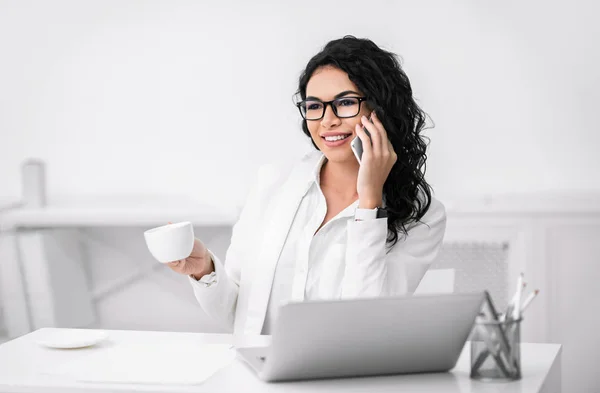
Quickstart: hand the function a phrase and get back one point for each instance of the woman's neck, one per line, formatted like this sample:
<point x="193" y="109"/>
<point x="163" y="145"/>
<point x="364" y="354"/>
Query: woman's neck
<point x="340" y="178"/>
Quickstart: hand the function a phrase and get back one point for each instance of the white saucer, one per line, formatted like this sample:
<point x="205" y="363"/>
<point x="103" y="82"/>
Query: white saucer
<point x="71" y="338"/>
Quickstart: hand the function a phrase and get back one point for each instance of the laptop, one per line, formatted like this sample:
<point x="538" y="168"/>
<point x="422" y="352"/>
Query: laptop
<point x="363" y="337"/>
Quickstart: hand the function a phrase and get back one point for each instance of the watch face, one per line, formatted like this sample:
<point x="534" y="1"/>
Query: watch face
<point x="381" y="213"/>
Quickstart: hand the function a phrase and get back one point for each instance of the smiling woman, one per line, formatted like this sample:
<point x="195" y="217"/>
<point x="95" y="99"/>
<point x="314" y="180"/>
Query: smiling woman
<point x="351" y="67"/>
<point x="328" y="227"/>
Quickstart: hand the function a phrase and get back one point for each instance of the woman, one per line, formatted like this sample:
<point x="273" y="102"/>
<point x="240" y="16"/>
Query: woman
<point x="329" y="227"/>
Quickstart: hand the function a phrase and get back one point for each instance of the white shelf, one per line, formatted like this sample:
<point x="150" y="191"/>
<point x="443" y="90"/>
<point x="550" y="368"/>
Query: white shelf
<point x="550" y="203"/>
<point x="99" y="216"/>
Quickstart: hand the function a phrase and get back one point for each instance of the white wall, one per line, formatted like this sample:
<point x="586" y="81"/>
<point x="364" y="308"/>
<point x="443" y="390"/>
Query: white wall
<point x="187" y="98"/>
<point x="132" y="99"/>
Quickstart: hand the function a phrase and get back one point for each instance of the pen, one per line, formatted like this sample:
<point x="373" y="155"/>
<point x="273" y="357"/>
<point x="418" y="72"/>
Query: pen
<point x="529" y="299"/>
<point x="515" y="316"/>
<point x="511" y="305"/>
<point x="517" y="309"/>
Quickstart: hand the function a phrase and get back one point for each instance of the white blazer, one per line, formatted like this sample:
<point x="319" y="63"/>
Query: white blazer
<point x="240" y="296"/>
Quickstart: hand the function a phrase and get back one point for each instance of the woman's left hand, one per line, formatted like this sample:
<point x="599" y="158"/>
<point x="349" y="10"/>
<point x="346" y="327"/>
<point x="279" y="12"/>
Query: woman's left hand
<point x="377" y="161"/>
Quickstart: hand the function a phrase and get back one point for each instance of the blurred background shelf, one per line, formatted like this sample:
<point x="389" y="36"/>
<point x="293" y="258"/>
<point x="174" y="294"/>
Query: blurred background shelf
<point x="532" y="204"/>
<point x="116" y="215"/>
<point x="84" y="263"/>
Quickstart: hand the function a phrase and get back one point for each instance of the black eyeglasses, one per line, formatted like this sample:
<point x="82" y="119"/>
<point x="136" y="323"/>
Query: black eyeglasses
<point x="343" y="107"/>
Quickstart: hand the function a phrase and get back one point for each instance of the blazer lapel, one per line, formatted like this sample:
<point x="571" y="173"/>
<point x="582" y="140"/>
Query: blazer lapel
<point x="281" y="216"/>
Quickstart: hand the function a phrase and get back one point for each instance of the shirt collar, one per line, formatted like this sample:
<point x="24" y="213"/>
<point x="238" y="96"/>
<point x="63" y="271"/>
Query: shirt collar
<point x="315" y="176"/>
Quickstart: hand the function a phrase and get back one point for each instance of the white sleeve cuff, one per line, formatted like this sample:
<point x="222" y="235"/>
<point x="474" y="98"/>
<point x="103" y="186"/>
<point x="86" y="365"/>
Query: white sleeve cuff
<point x="208" y="279"/>
<point x="365" y="214"/>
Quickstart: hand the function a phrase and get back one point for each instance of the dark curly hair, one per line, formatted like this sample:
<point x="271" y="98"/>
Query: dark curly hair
<point x="378" y="74"/>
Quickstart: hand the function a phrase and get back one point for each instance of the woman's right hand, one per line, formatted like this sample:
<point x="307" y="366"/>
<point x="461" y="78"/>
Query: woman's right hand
<point x="198" y="264"/>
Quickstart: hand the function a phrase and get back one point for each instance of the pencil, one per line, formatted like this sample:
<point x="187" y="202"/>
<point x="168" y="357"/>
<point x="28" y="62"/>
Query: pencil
<point x="529" y="299"/>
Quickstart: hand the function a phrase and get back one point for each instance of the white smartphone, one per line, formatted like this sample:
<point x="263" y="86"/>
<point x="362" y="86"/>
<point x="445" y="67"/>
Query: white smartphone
<point x="357" y="146"/>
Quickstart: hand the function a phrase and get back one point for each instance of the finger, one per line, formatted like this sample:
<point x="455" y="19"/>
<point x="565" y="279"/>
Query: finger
<point x="391" y="147"/>
<point x="383" y="132"/>
<point x="173" y="264"/>
<point x="375" y="135"/>
<point x="366" y="142"/>
<point x="393" y="154"/>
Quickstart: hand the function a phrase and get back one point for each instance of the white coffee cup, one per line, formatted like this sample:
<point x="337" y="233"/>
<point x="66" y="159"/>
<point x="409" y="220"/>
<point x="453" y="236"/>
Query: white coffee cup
<point x="171" y="242"/>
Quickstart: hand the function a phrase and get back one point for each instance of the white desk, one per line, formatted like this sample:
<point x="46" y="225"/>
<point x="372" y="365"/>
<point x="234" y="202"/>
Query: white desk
<point x="22" y="362"/>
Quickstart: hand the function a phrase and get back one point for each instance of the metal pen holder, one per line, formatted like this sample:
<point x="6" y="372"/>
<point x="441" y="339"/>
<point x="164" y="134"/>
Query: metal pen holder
<point x="496" y="350"/>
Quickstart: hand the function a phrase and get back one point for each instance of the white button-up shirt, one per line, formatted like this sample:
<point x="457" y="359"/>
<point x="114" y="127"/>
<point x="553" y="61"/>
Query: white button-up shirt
<point x="275" y="255"/>
<point x="301" y="273"/>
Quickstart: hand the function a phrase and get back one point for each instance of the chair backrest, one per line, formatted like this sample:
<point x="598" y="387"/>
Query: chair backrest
<point x="475" y="266"/>
<point x="436" y="281"/>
